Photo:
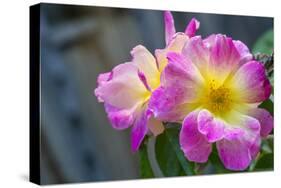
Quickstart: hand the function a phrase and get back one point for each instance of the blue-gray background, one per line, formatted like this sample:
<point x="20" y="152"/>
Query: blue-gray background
<point x="78" y="43"/>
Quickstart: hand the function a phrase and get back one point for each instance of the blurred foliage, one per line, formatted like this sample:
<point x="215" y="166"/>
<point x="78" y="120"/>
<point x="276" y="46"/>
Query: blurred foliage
<point x="170" y="157"/>
<point x="264" y="44"/>
<point x="145" y="167"/>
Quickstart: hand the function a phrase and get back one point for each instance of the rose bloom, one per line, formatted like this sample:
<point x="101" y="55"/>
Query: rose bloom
<point x="214" y="87"/>
<point x="126" y="90"/>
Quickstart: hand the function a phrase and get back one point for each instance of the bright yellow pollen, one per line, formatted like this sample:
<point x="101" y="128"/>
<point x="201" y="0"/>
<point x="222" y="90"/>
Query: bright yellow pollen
<point x="219" y="99"/>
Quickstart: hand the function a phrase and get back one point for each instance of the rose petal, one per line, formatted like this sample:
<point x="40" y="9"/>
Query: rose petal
<point x="209" y="126"/>
<point x="224" y="59"/>
<point x="114" y="91"/>
<point x="194" y="145"/>
<point x="169" y="26"/>
<point x="139" y="130"/>
<point x="154" y="125"/>
<point x="146" y="63"/>
<point x="243" y="50"/>
<point x="175" y="45"/>
<point x="240" y="144"/>
<point x="192" y="27"/>
<point x="166" y="105"/>
<point x="198" y="53"/>
<point x="120" y="118"/>
<point x="265" y="119"/>
<point x="251" y="83"/>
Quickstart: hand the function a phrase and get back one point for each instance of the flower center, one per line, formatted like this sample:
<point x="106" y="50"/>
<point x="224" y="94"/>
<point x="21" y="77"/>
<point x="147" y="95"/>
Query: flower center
<point x="219" y="100"/>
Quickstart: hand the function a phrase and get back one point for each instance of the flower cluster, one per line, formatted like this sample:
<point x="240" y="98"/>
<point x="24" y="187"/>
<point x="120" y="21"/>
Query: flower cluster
<point x="212" y="86"/>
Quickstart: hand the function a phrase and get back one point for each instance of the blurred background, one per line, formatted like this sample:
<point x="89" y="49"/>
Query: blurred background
<point x="77" y="44"/>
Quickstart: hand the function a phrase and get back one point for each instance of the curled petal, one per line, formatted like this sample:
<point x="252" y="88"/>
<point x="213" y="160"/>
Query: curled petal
<point x="209" y="126"/>
<point x="169" y="26"/>
<point x="240" y="144"/>
<point x="146" y="63"/>
<point x="175" y="45"/>
<point x="224" y="59"/>
<point x="180" y="92"/>
<point x="154" y="125"/>
<point x="192" y="27"/>
<point x="104" y="77"/>
<point x="251" y="83"/>
<point x="198" y="53"/>
<point x="244" y="52"/>
<point x="265" y="119"/>
<point x="167" y="105"/>
<point x="120" y="118"/>
<point x="115" y="90"/>
<point x="194" y="145"/>
<point x="139" y="130"/>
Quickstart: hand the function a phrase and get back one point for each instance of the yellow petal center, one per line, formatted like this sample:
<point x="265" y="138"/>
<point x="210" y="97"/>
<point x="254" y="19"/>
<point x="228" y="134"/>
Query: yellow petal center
<point x="219" y="100"/>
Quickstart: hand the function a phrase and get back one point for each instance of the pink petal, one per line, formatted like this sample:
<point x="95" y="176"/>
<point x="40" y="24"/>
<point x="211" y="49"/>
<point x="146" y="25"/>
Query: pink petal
<point x="169" y="26"/>
<point x="194" y="145"/>
<point x="265" y="119"/>
<point x="209" y="126"/>
<point x="244" y="52"/>
<point x="234" y="154"/>
<point x="176" y="44"/>
<point x="181" y="74"/>
<point x="139" y="130"/>
<point x="154" y="125"/>
<point x="181" y="84"/>
<point x="104" y="77"/>
<point x="114" y="91"/>
<point x="192" y="27"/>
<point x="120" y="118"/>
<point x="167" y="105"/>
<point x="147" y="65"/>
<point x="251" y="82"/>
<point x="240" y="144"/>
<point x="198" y="53"/>
<point x="224" y="58"/>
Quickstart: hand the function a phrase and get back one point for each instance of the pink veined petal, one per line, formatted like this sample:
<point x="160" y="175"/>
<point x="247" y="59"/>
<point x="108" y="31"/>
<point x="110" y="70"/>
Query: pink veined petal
<point x="210" y="126"/>
<point x="114" y="91"/>
<point x="183" y="76"/>
<point x="194" y="145"/>
<point x="241" y="48"/>
<point x="120" y="118"/>
<point x="104" y="77"/>
<point x="169" y="26"/>
<point x="192" y="27"/>
<point x="244" y="52"/>
<point x="224" y="58"/>
<point x="240" y="144"/>
<point x="176" y="44"/>
<point x="265" y="119"/>
<point x="181" y="83"/>
<point x="255" y="148"/>
<point x="198" y="53"/>
<point x="251" y="83"/>
<point x="167" y="105"/>
<point x="146" y="63"/>
<point x="143" y="79"/>
<point x="139" y="130"/>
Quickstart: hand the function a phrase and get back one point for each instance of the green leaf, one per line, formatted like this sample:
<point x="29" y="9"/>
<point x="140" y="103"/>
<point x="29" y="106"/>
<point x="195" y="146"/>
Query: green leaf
<point x="265" y="43"/>
<point x="166" y="157"/>
<point x="170" y="158"/>
<point x="268" y="105"/>
<point x="145" y="167"/>
<point x="216" y="163"/>
<point x="173" y="136"/>
<point x="265" y="162"/>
